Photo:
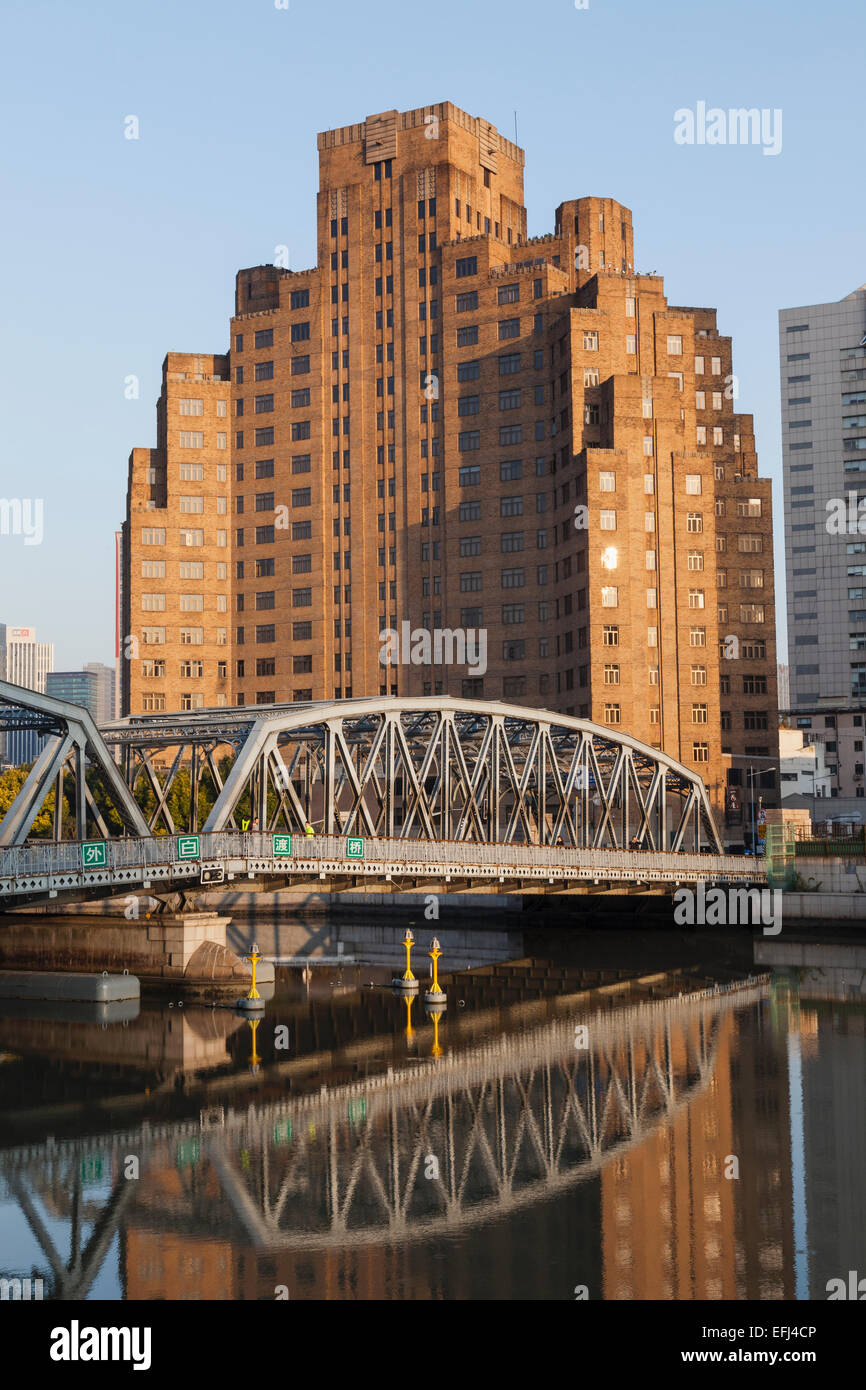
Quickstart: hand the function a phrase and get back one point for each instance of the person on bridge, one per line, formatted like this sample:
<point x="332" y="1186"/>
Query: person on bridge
<point x="309" y="831"/>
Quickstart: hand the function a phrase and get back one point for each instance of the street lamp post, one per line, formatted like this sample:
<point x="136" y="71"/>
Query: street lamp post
<point x="751" y="773"/>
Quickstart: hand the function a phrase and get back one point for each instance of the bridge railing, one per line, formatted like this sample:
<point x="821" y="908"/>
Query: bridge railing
<point x="257" y="849"/>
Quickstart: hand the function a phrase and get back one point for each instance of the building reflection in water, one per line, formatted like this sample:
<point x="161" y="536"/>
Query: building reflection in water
<point x="516" y="1164"/>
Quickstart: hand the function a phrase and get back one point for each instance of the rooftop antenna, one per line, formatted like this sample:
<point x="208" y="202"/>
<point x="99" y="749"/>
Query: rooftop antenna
<point x="515" y="127"/>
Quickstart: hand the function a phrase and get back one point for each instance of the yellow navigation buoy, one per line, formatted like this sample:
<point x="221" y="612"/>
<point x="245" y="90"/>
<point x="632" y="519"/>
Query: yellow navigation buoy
<point x="407" y="981"/>
<point x="253" y="1003"/>
<point x="435" y="995"/>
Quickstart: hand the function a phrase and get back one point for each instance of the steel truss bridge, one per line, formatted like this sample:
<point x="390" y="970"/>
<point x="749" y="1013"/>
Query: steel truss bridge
<point x="440" y="790"/>
<point x="509" y="1122"/>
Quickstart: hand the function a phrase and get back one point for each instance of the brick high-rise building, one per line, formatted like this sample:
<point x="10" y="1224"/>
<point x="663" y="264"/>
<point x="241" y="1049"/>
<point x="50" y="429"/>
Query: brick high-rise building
<point x="175" y="549"/>
<point x="447" y="425"/>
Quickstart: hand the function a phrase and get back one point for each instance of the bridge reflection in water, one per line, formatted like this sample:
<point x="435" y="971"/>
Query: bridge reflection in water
<point x="318" y="1189"/>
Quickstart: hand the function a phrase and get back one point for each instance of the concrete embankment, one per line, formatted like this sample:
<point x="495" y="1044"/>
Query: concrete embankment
<point x="183" y="952"/>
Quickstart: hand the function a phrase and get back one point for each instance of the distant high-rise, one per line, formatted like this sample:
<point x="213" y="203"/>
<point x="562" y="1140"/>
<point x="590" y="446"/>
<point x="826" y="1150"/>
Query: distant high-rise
<point x="105" y="707"/>
<point x="822" y="354"/>
<point x="443" y="427"/>
<point x="23" y="661"/>
<point x="783" y="676"/>
<point x="77" y="687"/>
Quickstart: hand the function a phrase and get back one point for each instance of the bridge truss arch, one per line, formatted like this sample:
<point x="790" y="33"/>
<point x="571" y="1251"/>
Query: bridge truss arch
<point x="71" y="747"/>
<point x="415" y="768"/>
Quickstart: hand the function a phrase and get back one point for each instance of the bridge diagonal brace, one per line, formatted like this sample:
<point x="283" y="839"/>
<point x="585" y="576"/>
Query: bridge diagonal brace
<point x="357" y="781"/>
<point x="418" y="799"/>
<point x="30" y="799"/>
<point x="471" y="784"/>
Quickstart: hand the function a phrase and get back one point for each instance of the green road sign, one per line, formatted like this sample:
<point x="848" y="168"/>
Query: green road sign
<point x="94" y="855"/>
<point x="188" y="847"/>
<point x="282" y="845"/>
<point x="357" y="1111"/>
<point x="187" y="1153"/>
<point x="91" y="1170"/>
<point x="354" y="848"/>
<point x="283" y="1132"/>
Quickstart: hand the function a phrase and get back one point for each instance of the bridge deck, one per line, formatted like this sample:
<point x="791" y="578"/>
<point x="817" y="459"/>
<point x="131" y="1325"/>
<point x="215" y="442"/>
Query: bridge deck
<point x="32" y="873"/>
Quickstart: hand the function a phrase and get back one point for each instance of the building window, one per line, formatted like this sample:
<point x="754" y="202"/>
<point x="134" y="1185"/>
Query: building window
<point x="512" y="578"/>
<point x="511" y="541"/>
<point x="514" y="650"/>
<point x="751" y="612"/>
<point x="467" y="336"/>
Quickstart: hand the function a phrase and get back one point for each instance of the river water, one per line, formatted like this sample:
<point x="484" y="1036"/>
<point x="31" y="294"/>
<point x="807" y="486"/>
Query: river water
<point x="611" y="1118"/>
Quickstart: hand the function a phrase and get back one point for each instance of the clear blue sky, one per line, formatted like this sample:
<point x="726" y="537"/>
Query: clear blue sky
<point x="115" y="251"/>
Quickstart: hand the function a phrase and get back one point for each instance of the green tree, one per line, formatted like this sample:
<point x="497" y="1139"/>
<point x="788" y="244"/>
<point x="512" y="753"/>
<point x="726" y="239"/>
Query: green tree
<point x="11" y="782"/>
